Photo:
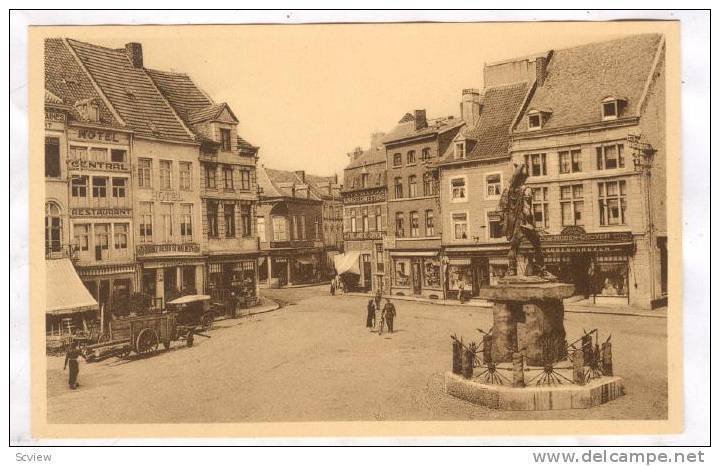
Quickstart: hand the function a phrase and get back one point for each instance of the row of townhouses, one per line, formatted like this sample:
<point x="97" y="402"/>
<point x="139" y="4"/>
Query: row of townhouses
<point x="150" y="189"/>
<point x="420" y="204"/>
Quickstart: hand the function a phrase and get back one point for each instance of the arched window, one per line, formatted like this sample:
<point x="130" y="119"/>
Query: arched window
<point x="53" y="227"/>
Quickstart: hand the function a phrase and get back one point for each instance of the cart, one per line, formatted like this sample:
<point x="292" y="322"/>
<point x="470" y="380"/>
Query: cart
<point x="141" y="335"/>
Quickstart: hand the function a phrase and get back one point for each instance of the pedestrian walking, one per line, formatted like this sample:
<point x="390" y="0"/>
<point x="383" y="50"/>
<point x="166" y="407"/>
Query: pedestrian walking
<point x="378" y="298"/>
<point x="389" y="314"/>
<point x="71" y="359"/>
<point x="332" y="287"/>
<point x="370" y="321"/>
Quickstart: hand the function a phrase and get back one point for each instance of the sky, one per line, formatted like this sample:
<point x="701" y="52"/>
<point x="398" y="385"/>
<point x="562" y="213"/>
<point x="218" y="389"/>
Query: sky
<point x="309" y="94"/>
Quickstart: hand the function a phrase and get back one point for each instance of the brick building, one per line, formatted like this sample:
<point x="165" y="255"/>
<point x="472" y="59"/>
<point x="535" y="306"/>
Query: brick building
<point x="289" y="227"/>
<point x="593" y="137"/>
<point x="413" y="242"/>
<point x="365" y="218"/>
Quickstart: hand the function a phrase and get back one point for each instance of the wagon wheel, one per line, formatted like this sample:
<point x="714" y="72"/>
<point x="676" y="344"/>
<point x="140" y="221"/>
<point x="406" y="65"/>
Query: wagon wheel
<point x="147" y="342"/>
<point x="189" y="338"/>
<point x="206" y="321"/>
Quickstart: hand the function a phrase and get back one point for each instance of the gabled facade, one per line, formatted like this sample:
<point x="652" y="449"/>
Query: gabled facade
<point x="592" y="136"/>
<point x="413" y="242"/>
<point x="473" y="174"/>
<point x="160" y="191"/>
<point x="290" y="229"/>
<point x="89" y="205"/>
<point x="228" y="190"/>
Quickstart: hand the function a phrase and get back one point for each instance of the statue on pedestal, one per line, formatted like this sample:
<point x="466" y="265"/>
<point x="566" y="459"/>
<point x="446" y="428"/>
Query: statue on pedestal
<point x="518" y="223"/>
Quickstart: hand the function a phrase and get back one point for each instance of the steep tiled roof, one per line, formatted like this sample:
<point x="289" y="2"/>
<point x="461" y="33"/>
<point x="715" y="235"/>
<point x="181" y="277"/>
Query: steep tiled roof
<point x="279" y="183"/>
<point x="52" y="98"/>
<point x="66" y="80"/>
<point x="406" y="128"/>
<point x="500" y="106"/>
<point x="244" y="145"/>
<point x="579" y="78"/>
<point x="182" y="93"/>
<point x="131" y="92"/>
<point x="205" y="114"/>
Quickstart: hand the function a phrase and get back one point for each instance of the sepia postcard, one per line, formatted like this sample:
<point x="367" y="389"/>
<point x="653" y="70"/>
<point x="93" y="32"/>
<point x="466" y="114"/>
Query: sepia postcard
<point x="390" y="229"/>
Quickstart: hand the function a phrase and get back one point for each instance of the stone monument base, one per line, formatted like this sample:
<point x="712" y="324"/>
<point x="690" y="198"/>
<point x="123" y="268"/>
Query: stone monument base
<point x="528" y="316"/>
<point x="534" y="398"/>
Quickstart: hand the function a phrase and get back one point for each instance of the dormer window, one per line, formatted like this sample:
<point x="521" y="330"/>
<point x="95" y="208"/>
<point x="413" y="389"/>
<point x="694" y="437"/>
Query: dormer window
<point x="611" y="107"/>
<point x="88" y="110"/>
<point x="225" y="139"/>
<point x="460" y="150"/>
<point x="534" y="120"/>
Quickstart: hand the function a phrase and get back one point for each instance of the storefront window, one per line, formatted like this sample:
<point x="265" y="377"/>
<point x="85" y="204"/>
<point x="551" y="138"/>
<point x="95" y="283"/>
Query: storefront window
<point x="402" y="272"/>
<point x="497" y="271"/>
<point x="431" y="273"/>
<point x="611" y="279"/>
<point x="459" y="274"/>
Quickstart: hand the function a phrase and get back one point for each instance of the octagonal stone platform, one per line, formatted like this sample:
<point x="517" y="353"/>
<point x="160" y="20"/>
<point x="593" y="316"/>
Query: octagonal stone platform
<point x="535" y="398"/>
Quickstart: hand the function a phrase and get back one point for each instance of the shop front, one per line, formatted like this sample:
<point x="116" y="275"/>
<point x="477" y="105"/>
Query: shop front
<point x="170" y="270"/>
<point x="110" y="285"/>
<point x="471" y="268"/>
<point x="232" y="283"/>
<point x="290" y="267"/>
<point x="598" y="264"/>
<point x="416" y="273"/>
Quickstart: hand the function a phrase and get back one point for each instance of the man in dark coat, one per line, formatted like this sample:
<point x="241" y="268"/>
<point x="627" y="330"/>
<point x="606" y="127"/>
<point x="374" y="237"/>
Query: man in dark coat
<point x="71" y="359"/>
<point x="390" y="313"/>
<point x="370" y="320"/>
<point x="517" y="221"/>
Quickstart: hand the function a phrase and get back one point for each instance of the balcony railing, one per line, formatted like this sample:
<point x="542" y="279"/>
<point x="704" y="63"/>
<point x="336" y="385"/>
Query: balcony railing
<point x="362" y="235"/>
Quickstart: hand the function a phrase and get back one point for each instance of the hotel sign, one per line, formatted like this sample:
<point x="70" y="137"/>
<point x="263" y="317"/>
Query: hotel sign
<point x="79" y="164"/>
<point x="145" y="249"/>
<point x="98" y="135"/>
<point x="167" y="196"/>
<point x="100" y="212"/>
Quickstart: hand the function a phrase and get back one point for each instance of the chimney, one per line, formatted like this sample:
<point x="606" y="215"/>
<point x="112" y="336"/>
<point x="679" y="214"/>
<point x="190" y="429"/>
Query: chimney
<point x="470" y="106"/>
<point x="540" y="70"/>
<point x="420" y="120"/>
<point x="301" y="174"/>
<point x="133" y="50"/>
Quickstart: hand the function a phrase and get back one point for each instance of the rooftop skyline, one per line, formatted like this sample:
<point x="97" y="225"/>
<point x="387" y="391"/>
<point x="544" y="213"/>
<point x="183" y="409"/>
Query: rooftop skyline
<point x="309" y="94"/>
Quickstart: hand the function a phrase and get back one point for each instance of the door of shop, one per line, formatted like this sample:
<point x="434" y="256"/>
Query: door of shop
<point x="578" y="273"/>
<point x="416" y="276"/>
<point x="366" y="271"/>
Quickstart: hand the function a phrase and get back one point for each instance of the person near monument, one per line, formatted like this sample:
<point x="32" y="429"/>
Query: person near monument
<point x="518" y="223"/>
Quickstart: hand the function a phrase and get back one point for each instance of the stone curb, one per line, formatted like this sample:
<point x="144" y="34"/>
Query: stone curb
<point x="569" y="307"/>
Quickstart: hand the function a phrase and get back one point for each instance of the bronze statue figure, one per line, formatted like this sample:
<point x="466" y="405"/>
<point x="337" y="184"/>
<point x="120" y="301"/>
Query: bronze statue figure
<point x="518" y="223"/>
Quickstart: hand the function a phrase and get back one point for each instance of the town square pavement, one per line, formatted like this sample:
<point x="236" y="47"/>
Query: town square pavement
<point x="314" y="360"/>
